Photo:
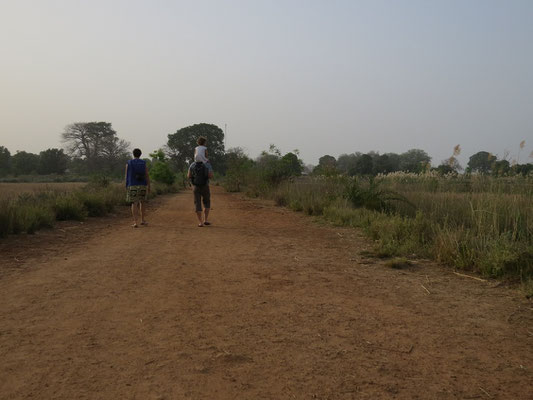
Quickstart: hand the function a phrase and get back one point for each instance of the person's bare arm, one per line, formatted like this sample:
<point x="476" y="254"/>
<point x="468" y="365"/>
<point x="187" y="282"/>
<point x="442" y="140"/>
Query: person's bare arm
<point x="206" y="156"/>
<point x="126" y="175"/>
<point x="210" y="174"/>
<point x="147" y="180"/>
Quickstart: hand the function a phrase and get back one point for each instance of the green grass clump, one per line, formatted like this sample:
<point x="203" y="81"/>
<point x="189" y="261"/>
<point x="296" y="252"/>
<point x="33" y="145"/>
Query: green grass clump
<point x="93" y="202"/>
<point x="26" y="215"/>
<point x="70" y="207"/>
<point x="31" y="217"/>
<point x="6" y="217"/>
<point x="373" y="196"/>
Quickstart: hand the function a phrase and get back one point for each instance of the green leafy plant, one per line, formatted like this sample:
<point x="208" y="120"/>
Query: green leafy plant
<point x="373" y="197"/>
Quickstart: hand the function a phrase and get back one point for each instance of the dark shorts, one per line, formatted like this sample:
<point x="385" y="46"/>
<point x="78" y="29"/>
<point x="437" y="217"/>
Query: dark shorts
<point x="202" y="195"/>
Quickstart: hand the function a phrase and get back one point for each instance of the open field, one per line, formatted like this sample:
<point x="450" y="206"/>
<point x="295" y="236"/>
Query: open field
<point x="9" y="190"/>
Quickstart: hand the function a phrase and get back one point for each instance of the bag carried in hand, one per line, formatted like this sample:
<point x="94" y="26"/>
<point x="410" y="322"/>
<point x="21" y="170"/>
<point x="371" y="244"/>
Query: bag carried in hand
<point x="200" y="174"/>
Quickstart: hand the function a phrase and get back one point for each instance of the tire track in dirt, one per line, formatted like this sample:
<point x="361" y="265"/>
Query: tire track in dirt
<point x="263" y="304"/>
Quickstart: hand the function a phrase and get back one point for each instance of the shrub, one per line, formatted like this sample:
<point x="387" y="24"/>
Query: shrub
<point x="31" y="218"/>
<point x="69" y="207"/>
<point x="27" y="216"/>
<point x="161" y="172"/>
<point x="6" y="216"/>
<point x="93" y="202"/>
<point x="373" y="196"/>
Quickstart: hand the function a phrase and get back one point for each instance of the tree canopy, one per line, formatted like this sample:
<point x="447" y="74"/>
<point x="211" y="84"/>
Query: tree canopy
<point x="97" y="143"/>
<point x="52" y="161"/>
<point x="414" y="160"/>
<point x="181" y="145"/>
<point x="481" y="162"/>
<point x="24" y="163"/>
<point x="327" y="165"/>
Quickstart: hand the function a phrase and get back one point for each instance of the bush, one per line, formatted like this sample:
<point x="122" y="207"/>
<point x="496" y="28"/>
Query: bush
<point x="373" y="196"/>
<point x="31" y="218"/>
<point x="161" y="172"/>
<point x="31" y="211"/>
<point x="24" y="217"/>
<point x="6" y="217"/>
<point x="69" y="207"/>
<point x="93" y="202"/>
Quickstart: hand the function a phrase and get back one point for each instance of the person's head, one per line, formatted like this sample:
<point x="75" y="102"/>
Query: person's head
<point x="137" y="153"/>
<point x="202" y="141"/>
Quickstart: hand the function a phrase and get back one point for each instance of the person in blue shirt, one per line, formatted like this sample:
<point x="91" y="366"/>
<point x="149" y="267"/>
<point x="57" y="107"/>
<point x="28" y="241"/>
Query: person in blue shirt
<point x="137" y="186"/>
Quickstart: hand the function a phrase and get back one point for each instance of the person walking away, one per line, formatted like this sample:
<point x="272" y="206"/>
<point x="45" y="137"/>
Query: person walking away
<point x="199" y="174"/>
<point x="137" y="186"/>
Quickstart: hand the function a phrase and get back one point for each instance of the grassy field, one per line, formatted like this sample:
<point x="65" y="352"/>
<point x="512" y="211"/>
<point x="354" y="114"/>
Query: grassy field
<point x="10" y="190"/>
<point x="475" y="223"/>
<point x="28" y="207"/>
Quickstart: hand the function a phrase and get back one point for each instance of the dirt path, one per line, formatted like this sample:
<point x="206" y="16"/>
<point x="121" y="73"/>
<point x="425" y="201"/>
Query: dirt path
<point x="264" y="304"/>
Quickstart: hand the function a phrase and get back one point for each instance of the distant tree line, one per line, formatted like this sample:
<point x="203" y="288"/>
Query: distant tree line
<point x="94" y="147"/>
<point x="51" y="161"/>
<point x="90" y="147"/>
<point x="416" y="161"/>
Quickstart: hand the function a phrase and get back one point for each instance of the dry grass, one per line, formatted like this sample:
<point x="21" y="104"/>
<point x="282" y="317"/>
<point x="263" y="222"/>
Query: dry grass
<point x="480" y="224"/>
<point x="10" y="190"/>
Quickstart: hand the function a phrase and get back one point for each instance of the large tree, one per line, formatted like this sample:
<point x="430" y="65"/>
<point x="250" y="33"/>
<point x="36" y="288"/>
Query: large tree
<point x="346" y="163"/>
<point x="414" y="160"/>
<point x="291" y="164"/>
<point x="182" y="143"/>
<point x="327" y="165"/>
<point x="52" y="161"/>
<point x="364" y="165"/>
<point x="95" y="142"/>
<point x="481" y="162"/>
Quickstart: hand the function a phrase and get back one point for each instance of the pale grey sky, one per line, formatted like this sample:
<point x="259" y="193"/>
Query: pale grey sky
<point x="325" y="77"/>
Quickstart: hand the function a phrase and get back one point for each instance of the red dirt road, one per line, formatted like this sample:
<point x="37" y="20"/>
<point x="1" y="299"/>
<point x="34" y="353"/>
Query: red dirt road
<point x="263" y="304"/>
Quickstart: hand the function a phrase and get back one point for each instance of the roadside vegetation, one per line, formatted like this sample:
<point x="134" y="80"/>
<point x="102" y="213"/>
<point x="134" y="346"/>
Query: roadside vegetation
<point x="26" y="210"/>
<point x="480" y="222"/>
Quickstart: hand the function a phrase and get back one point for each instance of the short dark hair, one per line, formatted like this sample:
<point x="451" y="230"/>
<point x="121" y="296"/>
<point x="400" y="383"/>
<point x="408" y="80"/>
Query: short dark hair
<point x="201" y="140"/>
<point x="137" y="153"/>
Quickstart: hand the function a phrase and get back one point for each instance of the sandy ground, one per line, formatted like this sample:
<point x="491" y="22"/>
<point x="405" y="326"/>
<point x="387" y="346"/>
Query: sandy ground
<point x="263" y="304"/>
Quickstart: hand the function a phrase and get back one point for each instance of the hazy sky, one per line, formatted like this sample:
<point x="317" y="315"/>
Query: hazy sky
<point x="324" y="77"/>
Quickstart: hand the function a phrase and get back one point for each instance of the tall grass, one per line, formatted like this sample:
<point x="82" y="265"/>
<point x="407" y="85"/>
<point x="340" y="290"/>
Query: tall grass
<point x="29" y="211"/>
<point x="480" y="224"/>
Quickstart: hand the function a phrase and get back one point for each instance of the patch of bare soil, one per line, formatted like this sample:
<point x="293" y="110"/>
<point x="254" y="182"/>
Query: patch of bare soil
<point x="263" y="304"/>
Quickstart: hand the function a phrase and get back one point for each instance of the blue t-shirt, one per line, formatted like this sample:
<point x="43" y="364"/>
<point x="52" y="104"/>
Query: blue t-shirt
<point x="136" y="173"/>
